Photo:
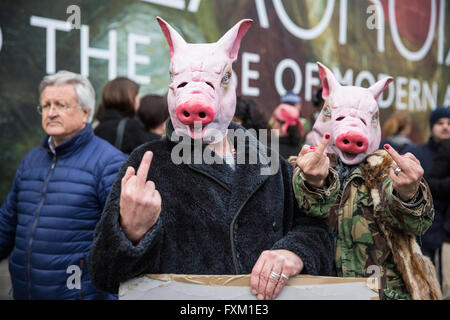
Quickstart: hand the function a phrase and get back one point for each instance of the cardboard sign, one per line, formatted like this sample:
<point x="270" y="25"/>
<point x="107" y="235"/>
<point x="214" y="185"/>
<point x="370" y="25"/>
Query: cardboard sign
<point x="229" y="287"/>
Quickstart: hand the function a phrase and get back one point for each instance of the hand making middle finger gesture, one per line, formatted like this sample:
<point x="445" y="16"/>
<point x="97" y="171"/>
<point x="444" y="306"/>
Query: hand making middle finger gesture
<point x="314" y="163"/>
<point x="405" y="174"/>
<point x="140" y="202"/>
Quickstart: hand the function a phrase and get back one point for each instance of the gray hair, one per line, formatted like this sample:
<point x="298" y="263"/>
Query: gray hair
<point x="83" y="88"/>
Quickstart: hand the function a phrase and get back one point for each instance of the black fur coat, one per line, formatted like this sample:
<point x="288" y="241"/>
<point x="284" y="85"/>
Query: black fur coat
<point x="213" y="221"/>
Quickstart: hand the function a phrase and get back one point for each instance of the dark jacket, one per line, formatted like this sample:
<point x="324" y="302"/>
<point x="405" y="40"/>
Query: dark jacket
<point x="426" y="154"/>
<point x="439" y="182"/>
<point x="134" y="132"/>
<point x="213" y="221"/>
<point x="48" y="219"/>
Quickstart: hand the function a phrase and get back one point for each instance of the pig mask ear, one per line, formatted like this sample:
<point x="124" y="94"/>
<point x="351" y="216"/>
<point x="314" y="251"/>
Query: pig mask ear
<point x="377" y="88"/>
<point x="174" y="39"/>
<point x="329" y="82"/>
<point x="231" y="41"/>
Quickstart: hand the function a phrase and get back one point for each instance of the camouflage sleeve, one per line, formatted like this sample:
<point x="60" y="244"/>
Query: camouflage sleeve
<point x="316" y="202"/>
<point x="414" y="219"/>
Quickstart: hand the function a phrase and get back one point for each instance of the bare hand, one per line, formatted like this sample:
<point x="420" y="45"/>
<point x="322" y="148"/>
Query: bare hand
<point x="407" y="181"/>
<point x="314" y="163"/>
<point x="140" y="202"/>
<point x="281" y="262"/>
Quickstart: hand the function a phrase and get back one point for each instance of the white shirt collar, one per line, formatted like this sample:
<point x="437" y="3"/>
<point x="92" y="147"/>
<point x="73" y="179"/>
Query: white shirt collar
<point x="50" y="145"/>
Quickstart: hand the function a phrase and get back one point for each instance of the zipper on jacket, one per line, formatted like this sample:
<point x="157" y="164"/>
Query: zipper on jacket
<point x="36" y="217"/>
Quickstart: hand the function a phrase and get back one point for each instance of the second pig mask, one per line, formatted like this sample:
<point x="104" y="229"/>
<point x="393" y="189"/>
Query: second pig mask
<point x="202" y="95"/>
<point x="351" y="116"/>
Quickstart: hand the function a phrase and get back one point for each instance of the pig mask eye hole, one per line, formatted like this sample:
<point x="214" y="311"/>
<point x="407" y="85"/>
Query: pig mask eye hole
<point x="327" y="112"/>
<point x="181" y="85"/>
<point x="340" y="118"/>
<point x="363" y="121"/>
<point x="210" y="84"/>
<point x="226" y="78"/>
<point x="375" y="118"/>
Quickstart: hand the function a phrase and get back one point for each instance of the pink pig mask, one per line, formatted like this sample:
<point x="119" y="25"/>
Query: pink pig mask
<point x="202" y="95"/>
<point x="350" y="115"/>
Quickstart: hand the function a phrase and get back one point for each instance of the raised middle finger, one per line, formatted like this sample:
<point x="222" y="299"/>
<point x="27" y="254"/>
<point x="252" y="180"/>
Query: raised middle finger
<point x="323" y="144"/>
<point x="400" y="161"/>
<point x="142" y="172"/>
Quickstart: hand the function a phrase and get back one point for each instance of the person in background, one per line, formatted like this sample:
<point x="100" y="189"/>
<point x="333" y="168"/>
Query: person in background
<point x="438" y="179"/>
<point x="153" y="113"/>
<point x="117" y="115"/>
<point x="286" y="121"/>
<point x="249" y="115"/>
<point x="290" y="98"/>
<point x="48" y="219"/>
<point x="396" y="130"/>
<point x="317" y="101"/>
<point x="431" y="241"/>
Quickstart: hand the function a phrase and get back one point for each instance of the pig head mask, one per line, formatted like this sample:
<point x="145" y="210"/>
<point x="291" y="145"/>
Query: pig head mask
<point x="202" y="95"/>
<point x="350" y="115"/>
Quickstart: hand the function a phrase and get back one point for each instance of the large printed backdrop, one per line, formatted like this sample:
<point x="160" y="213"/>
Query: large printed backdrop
<point x="360" y="40"/>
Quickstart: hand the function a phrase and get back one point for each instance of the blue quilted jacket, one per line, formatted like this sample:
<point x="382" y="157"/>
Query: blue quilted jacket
<point x="48" y="219"/>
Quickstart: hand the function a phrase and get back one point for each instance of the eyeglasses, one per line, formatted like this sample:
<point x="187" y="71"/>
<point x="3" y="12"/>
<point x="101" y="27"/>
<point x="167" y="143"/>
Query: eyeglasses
<point x="58" y="106"/>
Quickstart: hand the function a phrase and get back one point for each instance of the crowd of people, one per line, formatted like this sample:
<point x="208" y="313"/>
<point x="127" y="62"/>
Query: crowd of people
<point x="101" y="200"/>
<point x="61" y="187"/>
<point x="48" y="219"/>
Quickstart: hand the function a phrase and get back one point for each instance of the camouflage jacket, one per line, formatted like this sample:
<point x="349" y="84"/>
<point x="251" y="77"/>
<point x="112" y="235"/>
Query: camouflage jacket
<point x="361" y="250"/>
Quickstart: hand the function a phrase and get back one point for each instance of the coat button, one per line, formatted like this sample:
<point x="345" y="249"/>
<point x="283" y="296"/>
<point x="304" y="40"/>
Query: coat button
<point x="275" y="226"/>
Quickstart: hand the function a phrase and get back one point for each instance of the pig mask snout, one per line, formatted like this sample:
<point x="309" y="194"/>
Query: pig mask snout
<point x="351" y="115"/>
<point x="352" y="142"/>
<point x="195" y="111"/>
<point x="202" y="96"/>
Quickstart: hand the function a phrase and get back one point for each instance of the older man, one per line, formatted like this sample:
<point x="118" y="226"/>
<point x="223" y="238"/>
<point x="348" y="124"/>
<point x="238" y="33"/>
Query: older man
<point x="57" y="196"/>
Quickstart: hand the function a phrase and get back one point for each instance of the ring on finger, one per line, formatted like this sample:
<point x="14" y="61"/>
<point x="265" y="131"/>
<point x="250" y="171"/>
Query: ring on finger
<point x="285" y="276"/>
<point x="274" y="275"/>
<point x="397" y="170"/>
